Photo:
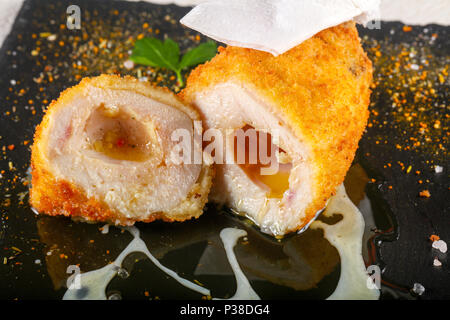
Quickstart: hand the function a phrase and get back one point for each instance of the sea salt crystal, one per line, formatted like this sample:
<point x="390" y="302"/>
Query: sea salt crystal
<point x="128" y="64"/>
<point x="37" y="261"/>
<point x="418" y="289"/>
<point x="438" y="169"/>
<point x="105" y="229"/>
<point x="437" y="263"/>
<point x="414" y="66"/>
<point x="440" y="245"/>
<point x="13" y="82"/>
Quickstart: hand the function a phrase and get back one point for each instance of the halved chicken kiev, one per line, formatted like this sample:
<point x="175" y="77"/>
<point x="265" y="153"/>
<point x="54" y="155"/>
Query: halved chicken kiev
<point x="103" y="153"/>
<point x="314" y="98"/>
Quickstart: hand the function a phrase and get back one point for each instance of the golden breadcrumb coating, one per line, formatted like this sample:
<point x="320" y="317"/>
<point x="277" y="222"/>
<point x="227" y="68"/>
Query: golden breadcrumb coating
<point x="54" y="196"/>
<point x="320" y="89"/>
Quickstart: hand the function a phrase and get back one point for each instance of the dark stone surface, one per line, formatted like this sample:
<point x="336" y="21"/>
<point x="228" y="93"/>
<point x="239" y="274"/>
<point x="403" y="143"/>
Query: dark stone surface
<point x="406" y="221"/>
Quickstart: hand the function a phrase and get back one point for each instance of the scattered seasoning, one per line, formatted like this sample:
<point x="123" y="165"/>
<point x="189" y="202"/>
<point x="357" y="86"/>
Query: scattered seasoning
<point x="412" y="78"/>
<point x="198" y="282"/>
<point x="407" y="28"/>
<point x="425" y="194"/>
<point x="105" y="47"/>
<point x="434" y="237"/>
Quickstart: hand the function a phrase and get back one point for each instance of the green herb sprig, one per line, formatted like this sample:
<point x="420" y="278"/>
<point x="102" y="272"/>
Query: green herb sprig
<point x="155" y="53"/>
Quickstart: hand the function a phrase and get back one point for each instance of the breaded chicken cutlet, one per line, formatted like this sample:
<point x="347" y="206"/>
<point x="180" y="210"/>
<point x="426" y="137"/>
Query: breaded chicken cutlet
<point x="314" y="97"/>
<point x="100" y="154"/>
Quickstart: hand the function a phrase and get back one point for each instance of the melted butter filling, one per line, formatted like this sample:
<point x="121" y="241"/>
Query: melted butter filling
<point x="248" y="157"/>
<point x="118" y="135"/>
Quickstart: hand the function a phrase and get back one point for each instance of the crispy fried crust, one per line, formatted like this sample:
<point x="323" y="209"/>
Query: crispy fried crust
<point x="320" y="89"/>
<point x="54" y="196"/>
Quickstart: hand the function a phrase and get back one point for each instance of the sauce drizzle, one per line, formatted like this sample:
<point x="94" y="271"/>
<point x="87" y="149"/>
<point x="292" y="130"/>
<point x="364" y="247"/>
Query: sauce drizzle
<point x="345" y="236"/>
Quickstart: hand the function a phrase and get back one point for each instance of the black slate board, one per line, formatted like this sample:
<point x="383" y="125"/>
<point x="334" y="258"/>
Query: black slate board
<point x="403" y="219"/>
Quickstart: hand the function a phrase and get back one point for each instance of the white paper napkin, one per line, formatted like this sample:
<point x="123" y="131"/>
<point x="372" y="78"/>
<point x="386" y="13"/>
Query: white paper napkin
<point x="274" y="26"/>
